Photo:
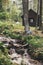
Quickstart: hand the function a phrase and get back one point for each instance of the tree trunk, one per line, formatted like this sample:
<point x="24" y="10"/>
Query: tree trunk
<point x="37" y="15"/>
<point x="40" y="20"/>
<point x="25" y="15"/>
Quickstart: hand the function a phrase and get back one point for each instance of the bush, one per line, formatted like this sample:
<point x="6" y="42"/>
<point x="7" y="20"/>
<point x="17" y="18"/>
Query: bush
<point x="4" y="15"/>
<point x="35" y="46"/>
<point x="5" y="61"/>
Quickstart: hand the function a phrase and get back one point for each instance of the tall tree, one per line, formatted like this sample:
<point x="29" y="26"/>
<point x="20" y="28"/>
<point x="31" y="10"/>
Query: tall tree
<point x="40" y="20"/>
<point x="25" y="15"/>
<point x="38" y="9"/>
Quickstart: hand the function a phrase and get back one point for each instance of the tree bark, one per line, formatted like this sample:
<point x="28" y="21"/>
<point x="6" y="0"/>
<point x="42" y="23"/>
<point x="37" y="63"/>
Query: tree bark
<point x="37" y="15"/>
<point x="25" y="14"/>
<point x="40" y="20"/>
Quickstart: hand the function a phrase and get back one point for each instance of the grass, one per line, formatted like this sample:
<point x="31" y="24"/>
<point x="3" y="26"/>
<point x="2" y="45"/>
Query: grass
<point x="35" y="48"/>
<point x="10" y="26"/>
<point x="4" y="58"/>
<point x="11" y="29"/>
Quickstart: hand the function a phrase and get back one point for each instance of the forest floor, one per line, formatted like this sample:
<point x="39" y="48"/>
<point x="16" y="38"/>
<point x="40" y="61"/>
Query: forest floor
<point x="17" y="54"/>
<point x="36" y="32"/>
<point x="35" y="41"/>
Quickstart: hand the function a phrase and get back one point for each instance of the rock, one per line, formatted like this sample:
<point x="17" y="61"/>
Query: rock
<point x="11" y="51"/>
<point x="4" y="41"/>
<point x="15" y="58"/>
<point x="29" y="32"/>
<point x="20" y="51"/>
<point x="33" y="61"/>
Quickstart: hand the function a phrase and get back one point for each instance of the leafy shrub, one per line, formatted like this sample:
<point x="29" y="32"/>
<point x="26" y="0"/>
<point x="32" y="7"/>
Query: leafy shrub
<point x="10" y="26"/>
<point x="35" y="46"/>
<point x="5" y="61"/>
<point x="4" y="15"/>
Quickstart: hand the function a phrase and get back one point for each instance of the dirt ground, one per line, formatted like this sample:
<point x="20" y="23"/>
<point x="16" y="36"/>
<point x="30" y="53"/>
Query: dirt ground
<point x="36" y="32"/>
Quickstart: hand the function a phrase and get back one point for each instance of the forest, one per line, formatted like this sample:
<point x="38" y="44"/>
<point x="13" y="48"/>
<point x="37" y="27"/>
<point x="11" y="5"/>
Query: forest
<point x="21" y="32"/>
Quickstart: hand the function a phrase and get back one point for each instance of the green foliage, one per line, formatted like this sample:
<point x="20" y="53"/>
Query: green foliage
<point x="4" y="59"/>
<point x="12" y="35"/>
<point x="15" y="36"/>
<point x="15" y="13"/>
<point x="4" y="50"/>
<point x="1" y="9"/>
<point x="35" y="46"/>
<point x="4" y="15"/>
<point x="10" y="27"/>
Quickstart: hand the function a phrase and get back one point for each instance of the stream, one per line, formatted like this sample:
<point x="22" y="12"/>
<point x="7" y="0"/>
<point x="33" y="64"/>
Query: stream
<point x="17" y="53"/>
